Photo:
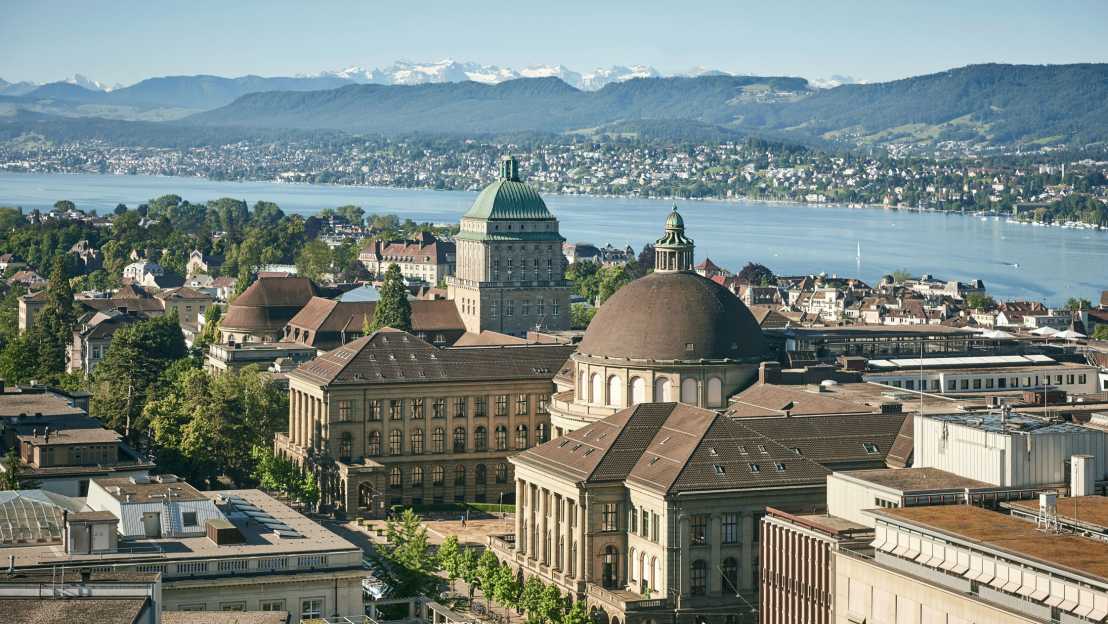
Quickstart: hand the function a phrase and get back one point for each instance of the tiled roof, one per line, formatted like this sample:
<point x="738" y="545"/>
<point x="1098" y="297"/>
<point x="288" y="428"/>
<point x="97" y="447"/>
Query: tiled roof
<point x="64" y="611"/>
<point x="834" y="439"/>
<point x="321" y="315"/>
<point x="672" y="447"/>
<point x="394" y="356"/>
<point x="269" y="303"/>
<point x="796" y="400"/>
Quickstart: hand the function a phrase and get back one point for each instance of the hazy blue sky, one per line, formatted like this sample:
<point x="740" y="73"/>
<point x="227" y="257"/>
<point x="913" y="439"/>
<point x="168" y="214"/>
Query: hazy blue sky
<point x="125" y="41"/>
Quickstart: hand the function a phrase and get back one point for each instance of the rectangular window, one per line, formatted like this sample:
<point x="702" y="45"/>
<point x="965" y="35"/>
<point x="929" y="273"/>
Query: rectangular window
<point x="501" y="405"/>
<point x="989" y="383"/>
<point x="540" y="309"/>
<point x="417" y="409"/>
<point x="523" y="406"/>
<point x="480" y="406"/>
<point x="645" y="516"/>
<point x="311" y="608"/>
<point x="1002" y="382"/>
<point x="344" y="411"/>
<point x="633" y="525"/>
<point x="1081" y="379"/>
<point x="976" y="384"/>
<point x="654" y="521"/>
<point x="609" y="517"/>
<point x="460" y="407"/>
<point x="508" y="305"/>
<point x="554" y="309"/>
<point x="951" y="385"/>
<point x="542" y="405"/>
<point x="373" y="410"/>
<point x="438" y="408"/>
<point x="730" y="528"/>
<point x="232" y="606"/>
<point x="188" y="518"/>
<point x="396" y="409"/>
<point x="965" y="384"/>
<point x="698" y="530"/>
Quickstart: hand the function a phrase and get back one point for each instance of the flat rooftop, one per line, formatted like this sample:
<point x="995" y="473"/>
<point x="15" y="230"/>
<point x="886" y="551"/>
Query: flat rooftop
<point x="1007" y="534"/>
<point x="890" y="330"/>
<point x="768" y="400"/>
<point x="64" y="611"/>
<point x="1089" y="511"/>
<point x="911" y="480"/>
<point x="1014" y="423"/>
<point x="259" y="538"/>
<point x="893" y="364"/>
<point x="124" y="491"/>
<point x="72" y="436"/>
<point x="30" y="403"/>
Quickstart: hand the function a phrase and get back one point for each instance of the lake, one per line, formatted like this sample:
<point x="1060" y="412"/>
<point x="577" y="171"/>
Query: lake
<point x="1053" y="263"/>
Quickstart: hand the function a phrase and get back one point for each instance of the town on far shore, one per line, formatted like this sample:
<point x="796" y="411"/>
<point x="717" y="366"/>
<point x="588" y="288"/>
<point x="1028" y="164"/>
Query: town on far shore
<point x="223" y="413"/>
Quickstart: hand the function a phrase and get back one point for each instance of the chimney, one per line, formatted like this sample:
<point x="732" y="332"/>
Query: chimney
<point x="769" y="372"/>
<point x="48" y="434"/>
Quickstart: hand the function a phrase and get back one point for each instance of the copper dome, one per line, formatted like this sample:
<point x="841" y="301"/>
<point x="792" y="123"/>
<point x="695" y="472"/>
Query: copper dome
<point x="674" y="316"/>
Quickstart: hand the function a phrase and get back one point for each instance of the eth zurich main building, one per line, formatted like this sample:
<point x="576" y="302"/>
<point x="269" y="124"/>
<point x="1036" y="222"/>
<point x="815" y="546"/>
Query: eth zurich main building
<point x="671" y="336"/>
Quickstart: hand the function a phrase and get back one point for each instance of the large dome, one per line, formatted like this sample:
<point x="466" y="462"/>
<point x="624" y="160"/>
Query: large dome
<point x="674" y="316"/>
<point x="509" y="200"/>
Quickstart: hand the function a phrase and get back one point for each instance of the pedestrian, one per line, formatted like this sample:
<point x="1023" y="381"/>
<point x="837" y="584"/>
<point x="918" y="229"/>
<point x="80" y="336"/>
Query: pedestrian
<point x="463" y="519"/>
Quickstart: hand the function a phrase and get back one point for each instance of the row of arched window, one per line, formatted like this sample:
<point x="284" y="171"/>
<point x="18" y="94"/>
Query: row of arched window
<point x="611" y="391"/>
<point x="417" y="475"/>
<point x="417" y="446"/>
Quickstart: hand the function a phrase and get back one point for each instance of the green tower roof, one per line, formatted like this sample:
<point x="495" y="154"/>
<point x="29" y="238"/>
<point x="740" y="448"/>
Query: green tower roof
<point x="509" y="198"/>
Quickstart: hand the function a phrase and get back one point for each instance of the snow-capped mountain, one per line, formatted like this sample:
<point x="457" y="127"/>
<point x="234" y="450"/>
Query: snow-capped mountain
<point x="92" y="85"/>
<point x="449" y="70"/>
<point x="835" y="80"/>
<point x="597" y="78"/>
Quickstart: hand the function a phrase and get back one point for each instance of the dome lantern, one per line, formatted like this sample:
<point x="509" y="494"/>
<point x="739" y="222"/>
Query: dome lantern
<point x="673" y="252"/>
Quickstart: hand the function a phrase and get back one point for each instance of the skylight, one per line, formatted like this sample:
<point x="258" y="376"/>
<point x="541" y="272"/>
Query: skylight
<point x="719" y="469"/>
<point x="870" y="447"/>
<point x="755" y="468"/>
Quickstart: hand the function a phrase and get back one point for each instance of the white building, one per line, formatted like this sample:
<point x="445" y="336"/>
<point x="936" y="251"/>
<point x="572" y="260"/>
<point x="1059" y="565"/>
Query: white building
<point x="984" y="374"/>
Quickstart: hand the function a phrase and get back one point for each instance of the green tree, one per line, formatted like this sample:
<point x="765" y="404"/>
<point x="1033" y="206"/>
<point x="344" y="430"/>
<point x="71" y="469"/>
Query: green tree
<point x="612" y="278"/>
<point x="450" y="554"/>
<point x="393" y="308"/>
<point x="757" y="274"/>
<point x="64" y="205"/>
<point x="353" y="214"/>
<point x="505" y="587"/>
<point x="314" y="260"/>
<point x="585" y="278"/>
<point x="580" y="315"/>
<point x="1100" y="332"/>
<point x="552" y="606"/>
<point x="10" y="478"/>
<point x="900" y="276"/>
<point x="406" y="563"/>
<point x="209" y="335"/>
<point x="577" y="614"/>
<point x="488" y="567"/>
<point x="979" y="301"/>
<point x="307" y="490"/>
<point x="1075" y="304"/>
<point x="469" y="569"/>
<point x="531" y="600"/>
<point x="131" y="369"/>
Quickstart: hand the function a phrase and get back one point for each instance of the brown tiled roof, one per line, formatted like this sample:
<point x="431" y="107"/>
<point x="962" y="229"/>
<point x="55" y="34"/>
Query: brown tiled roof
<point x="759" y="399"/>
<point x="183" y="292"/>
<point x="394" y="356"/>
<point x="900" y="455"/>
<point x="269" y="303"/>
<point x="674" y="316"/>
<point x="672" y="447"/>
<point x="487" y="338"/>
<point x="64" y="611"/>
<point x="328" y="316"/>
<point x="1104" y="298"/>
<point x="833" y="439"/>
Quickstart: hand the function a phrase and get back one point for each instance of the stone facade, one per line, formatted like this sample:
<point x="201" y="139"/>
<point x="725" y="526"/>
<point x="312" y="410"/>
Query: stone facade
<point x="510" y="269"/>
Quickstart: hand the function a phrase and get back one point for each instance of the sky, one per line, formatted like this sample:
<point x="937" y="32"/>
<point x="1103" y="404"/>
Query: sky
<point x="124" y="41"/>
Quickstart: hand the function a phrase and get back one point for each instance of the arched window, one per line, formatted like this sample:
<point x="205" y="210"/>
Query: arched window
<point x="638" y="390"/>
<point x="396" y="478"/>
<point x="481" y="439"/>
<point x="417" y="442"/>
<point x="438" y="475"/>
<point x="373" y="445"/>
<point x="521" y="437"/>
<point x="615" y="391"/>
<point x="396" y="442"/>
<point x="482" y="474"/>
<point x="459" y="475"/>
<point x="502" y="473"/>
<point x="662" y="392"/>
<point x="501" y="438"/>
<point x="698" y="578"/>
<point x="688" y="391"/>
<point x="715" y="392"/>
<point x="541" y="434"/>
<point x="610" y="574"/>
<point x="582" y="389"/>
<point x="459" y="439"/>
<point x="597" y="389"/>
<point x="729" y="575"/>
<point x="438" y="439"/>
<point x="654" y="579"/>
<point x="631" y="564"/>
<point x="643" y="583"/>
<point x="416" y="476"/>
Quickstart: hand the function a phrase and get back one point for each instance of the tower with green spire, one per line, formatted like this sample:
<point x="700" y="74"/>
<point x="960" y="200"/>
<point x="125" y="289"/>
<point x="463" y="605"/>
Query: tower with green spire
<point x="673" y="252"/>
<point x="510" y="276"/>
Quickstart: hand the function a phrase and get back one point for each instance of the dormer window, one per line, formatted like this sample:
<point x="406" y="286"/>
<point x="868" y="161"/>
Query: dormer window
<point x="720" y="470"/>
<point x="755" y="468"/>
<point x="870" y="447"/>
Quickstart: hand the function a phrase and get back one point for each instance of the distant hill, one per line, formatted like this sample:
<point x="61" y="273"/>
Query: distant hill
<point x="980" y="105"/>
<point x="526" y="104"/>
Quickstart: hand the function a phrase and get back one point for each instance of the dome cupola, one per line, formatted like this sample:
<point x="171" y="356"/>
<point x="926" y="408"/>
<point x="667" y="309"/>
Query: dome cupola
<point x="673" y="252"/>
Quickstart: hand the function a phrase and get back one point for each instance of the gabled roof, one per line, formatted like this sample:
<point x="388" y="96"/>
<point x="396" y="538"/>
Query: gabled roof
<point x="671" y="448"/>
<point x="393" y="356"/>
<point x="328" y="315"/>
<point x="269" y="303"/>
<point x="834" y="439"/>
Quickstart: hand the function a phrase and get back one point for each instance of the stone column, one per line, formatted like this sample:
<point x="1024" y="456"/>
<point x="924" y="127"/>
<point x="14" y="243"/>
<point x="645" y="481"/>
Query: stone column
<point x="746" y="563"/>
<point x="521" y="546"/>
<point x="582" y="546"/>
<point x="544" y="513"/>
<point x="557" y="509"/>
<point x="567" y="537"/>
<point x="715" y="538"/>
<point x="683" y="560"/>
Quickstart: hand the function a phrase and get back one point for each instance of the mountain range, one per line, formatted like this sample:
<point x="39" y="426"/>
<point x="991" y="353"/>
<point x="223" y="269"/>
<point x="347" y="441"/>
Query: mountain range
<point x="968" y="107"/>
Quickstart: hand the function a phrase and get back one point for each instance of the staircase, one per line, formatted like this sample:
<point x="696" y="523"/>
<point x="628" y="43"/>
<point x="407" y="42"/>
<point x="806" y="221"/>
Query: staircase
<point x="171" y="518"/>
